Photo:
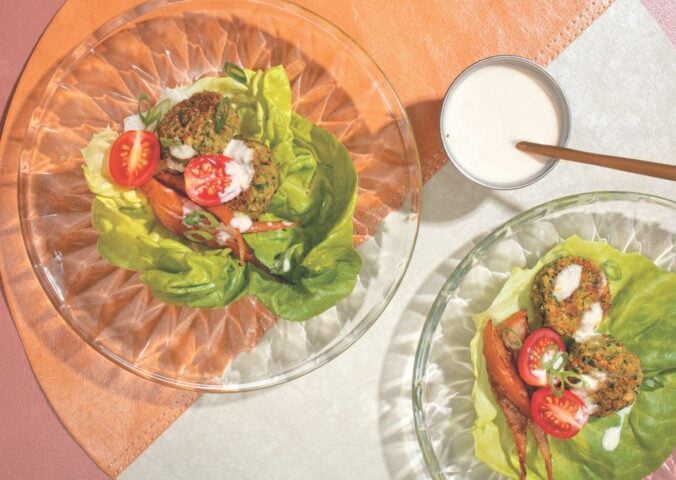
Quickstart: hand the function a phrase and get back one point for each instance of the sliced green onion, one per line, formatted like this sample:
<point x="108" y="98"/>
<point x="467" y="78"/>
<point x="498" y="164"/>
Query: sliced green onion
<point x="143" y="99"/>
<point x="202" y="219"/>
<point x="556" y="386"/>
<point x="651" y="384"/>
<point x="170" y="142"/>
<point x="150" y="115"/>
<point x="552" y="351"/>
<point x="221" y="114"/>
<point x="612" y="270"/>
<point x="509" y="337"/>
<point x="199" y="236"/>
<point x="566" y="375"/>
<point x="234" y="71"/>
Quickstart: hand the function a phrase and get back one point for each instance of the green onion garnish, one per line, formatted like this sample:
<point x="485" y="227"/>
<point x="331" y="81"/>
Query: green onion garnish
<point x="149" y="115"/>
<point x="199" y="236"/>
<point x="651" y="384"/>
<point x="234" y="71"/>
<point x="200" y="218"/>
<point x="554" y="362"/>
<point x="550" y="357"/>
<point x="170" y="142"/>
<point x="221" y="114"/>
<point x="612" y="270"/>
<point x="143" y="100"/>
<point x="511" y="338"/>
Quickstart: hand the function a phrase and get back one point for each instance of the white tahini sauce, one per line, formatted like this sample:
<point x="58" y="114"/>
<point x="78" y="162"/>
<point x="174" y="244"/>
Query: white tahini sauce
<point x="590" y="319"/>
<point x="586" y="399"/>
<point x="611" y="437"/>
<point x="182" y="152"/>
<point x="541" y="373"/>
<point x="240" y="170"/>
<point x="590" y="384"/>
<point x="241" y="221"/>
<point x="491" y="110"/>
<point x="567" y="281"/>
<point x="190" y="207"/>
<point x="175" y="166"/>
<point x="222" y="235"/>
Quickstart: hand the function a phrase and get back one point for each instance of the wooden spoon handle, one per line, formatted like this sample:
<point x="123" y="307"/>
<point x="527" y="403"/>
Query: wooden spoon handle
<point x="653" y="169"/>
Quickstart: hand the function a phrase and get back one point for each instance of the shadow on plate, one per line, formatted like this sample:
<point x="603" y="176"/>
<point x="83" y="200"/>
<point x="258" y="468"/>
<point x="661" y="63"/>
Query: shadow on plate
<point x="400" y="446"/>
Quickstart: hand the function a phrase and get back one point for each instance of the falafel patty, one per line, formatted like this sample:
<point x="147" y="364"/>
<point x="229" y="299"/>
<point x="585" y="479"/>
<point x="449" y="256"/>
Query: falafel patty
<point x="192" y="122"/>
<point x="571" y="294"/>
<point x="254" y="201"/>
<point x="612" y="372"/>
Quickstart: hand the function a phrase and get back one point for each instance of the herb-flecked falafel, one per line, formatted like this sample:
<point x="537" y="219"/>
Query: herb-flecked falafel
<point x="254" y="201"/>
<point x="193" y="122"/>
<point x="567" y="289"/>
<point x="612" y="372"/>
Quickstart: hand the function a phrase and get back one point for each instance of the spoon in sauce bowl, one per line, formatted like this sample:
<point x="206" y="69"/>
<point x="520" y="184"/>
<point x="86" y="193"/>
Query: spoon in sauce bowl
<point x="505" y="101"/>
<point x="652" y="169"/>
<point x="493" y="104"/>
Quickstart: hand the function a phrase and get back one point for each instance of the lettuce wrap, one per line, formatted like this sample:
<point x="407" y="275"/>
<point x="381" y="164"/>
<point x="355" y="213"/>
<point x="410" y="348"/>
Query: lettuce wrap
<point x="318" y="192"/>
<point x="643" y="317"/>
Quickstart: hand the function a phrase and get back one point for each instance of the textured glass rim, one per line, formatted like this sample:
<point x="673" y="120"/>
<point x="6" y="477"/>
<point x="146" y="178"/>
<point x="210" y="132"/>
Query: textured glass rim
<point x="414" y="197"/>
<point x="441" y="301"/>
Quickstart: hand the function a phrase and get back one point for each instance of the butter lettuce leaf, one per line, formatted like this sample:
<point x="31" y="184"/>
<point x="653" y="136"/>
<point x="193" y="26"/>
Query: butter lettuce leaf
<point x="318" y="191"/>
<point x="643" y="316"/>
<point x="95" y="170"/>
<point x="324" y="264"/>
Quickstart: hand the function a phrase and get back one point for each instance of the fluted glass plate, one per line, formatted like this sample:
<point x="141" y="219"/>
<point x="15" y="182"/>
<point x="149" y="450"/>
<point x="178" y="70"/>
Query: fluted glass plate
<point x="443" y="375"/>
<point x="165" y="44"/>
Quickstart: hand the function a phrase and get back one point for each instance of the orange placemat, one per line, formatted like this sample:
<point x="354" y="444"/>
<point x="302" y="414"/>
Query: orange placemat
<point x="421" y="46"/>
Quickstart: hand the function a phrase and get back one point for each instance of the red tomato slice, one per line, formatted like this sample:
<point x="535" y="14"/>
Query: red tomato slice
<point x="134" y="157"/>
<point x="536" y="344"/>
<point x="206" y="179"/>
<point x="561" y="417"/>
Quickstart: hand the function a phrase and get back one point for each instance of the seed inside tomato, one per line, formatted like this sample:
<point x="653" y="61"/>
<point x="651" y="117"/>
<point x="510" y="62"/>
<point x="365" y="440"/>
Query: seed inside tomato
<point x="134" y="157"/>
<point x="562" y="416"/>
<point x="206" y="179"/>
<point x="542" y="342"/>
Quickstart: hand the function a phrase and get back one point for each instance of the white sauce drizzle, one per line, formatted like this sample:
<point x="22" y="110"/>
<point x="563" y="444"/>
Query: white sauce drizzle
<point x="241" y="221"/>
<point x="175" y="166"/>
<point x="611" y="437"/>
<point x="182" y="152"/>
<point x="567" y="281"/>
<point x="541" y="373"/>
<point x="240" y="170"/>
<point x="590" y="319"/>
<point x="584" y="396"/>
<point x="590" y="384"/>
<point x="222" y="236"/>
<point x="190" y="207"/>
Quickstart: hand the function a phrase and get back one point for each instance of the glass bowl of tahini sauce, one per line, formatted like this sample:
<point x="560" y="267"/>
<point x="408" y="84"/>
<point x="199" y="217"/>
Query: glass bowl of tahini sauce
<point x="490" y="107"/>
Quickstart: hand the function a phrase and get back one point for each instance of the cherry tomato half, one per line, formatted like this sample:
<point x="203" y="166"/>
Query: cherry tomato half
<point x="561" y="417"/>
<point x="206" y="179"/>
<point x="534" y="347"/>
<point x="134" y="157"/>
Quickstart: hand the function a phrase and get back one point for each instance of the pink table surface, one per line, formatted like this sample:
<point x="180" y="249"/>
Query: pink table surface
<point x="33" y="442"/>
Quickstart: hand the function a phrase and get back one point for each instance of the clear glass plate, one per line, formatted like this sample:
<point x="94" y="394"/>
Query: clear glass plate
<point x="443" y="375"/>
<point x="164" y="44"/>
